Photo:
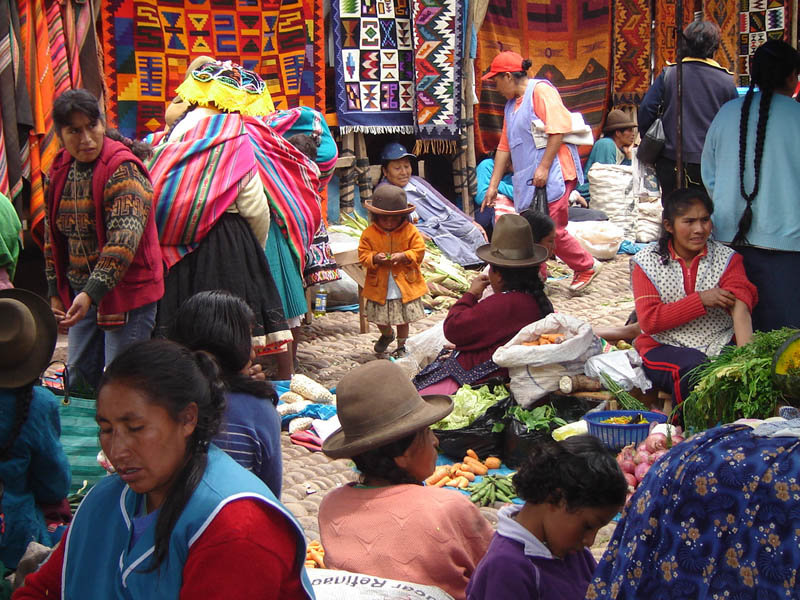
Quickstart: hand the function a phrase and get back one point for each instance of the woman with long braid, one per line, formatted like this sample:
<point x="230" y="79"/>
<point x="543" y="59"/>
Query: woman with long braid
<point x="33" y="467"/>
<point x="749" y="167"/>
<point x="479" y="327"/>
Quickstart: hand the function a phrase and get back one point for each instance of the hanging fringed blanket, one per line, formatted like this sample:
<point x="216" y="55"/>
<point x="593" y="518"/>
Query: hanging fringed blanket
<point x="374" y="60"/>
<point x="759" y="21"/>
<point x="631" y="51"/>
<point x="438" y="43"/>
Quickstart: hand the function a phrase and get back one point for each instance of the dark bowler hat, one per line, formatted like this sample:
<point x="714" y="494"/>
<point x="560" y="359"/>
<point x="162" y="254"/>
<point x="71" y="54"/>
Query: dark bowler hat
<point x="512" y="244"/>
<point x="388" y="199"/>
<point x="617" y="119"/>
<point x="28" y="332"/>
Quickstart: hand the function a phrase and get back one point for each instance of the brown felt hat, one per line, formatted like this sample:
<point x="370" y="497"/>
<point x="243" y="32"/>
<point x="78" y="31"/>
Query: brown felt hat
<point x="377" y="404"/>
<point x="388" y="199"/>
<point x="512" y="244"/>
<point x="617" y="119"/>
<point x="28" y="334"/>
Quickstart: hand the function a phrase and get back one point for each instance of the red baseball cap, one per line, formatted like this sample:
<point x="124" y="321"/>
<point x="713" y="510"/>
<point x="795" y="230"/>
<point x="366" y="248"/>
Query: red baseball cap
<point x="505" y="62"/>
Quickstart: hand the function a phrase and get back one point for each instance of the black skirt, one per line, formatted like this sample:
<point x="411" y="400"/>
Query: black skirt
<point x="229" y="258"/>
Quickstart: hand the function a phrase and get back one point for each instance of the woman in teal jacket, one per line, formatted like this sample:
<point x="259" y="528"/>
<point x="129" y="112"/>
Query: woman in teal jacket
<point x="33" y="466"/>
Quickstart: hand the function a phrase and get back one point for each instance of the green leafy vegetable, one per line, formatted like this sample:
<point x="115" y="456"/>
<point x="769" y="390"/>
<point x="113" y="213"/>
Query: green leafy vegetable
<point x="469" y="404"/>
<point x="541" y="417"/>
<point x="735" y="384"/>
<point x="626" y="401"/>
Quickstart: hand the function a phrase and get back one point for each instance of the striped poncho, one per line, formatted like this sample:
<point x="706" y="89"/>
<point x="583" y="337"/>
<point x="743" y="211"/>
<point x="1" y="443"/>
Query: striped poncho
<point x="197" y="177"/>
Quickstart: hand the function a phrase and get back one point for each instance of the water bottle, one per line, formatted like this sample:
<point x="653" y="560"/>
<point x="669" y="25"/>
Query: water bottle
<point x="320" y="301"/>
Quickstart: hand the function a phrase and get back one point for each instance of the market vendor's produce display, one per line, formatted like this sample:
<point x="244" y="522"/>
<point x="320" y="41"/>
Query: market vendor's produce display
<point x="636" y="460"/>
<point x="460" y="475"/>
<point x="447" y="281"/>
<point x="744" y="382"/>
<point x="470" y="403"/>
<point x="492" y="488"/>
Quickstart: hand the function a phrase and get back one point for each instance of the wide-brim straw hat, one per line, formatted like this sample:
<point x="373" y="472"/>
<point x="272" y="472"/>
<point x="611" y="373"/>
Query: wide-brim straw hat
<point x="28" y="333"/>
<point x="512" y="244"/>
<point x="617" y="119"/>
<point x="377" y="404"/>
<point x="388" y="199"/>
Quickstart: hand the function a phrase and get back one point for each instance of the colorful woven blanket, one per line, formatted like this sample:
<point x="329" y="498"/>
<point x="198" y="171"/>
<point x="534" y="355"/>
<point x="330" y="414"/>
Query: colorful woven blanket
<point x="148" y="46"/>
<point x="195" y="179"/>
<point x="631" y="51"/>
<point x="725" y="14"/>
<point x="438" y="43"/>
<point x="759" y="21"/>
<point x="666" y="38"/>
<point x="312" y="84"/>
<point x="568" y="43"/>
<point x="373" y="58"/>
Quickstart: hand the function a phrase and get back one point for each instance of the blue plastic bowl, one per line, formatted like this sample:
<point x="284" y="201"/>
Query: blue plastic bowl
<point x="616" y="437"/>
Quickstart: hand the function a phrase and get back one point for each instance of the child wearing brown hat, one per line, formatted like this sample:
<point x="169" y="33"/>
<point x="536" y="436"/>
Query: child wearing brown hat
<point x="391" y="250"/>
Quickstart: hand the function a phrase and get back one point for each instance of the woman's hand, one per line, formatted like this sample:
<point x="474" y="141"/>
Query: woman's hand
<point x="717" y="297"/>
<point x="478" y="285"/>
<point x="57" y="306"/>
<point x="76" y="312"/>
<point x="540" y="175"/>
<point x="489" y="197"/>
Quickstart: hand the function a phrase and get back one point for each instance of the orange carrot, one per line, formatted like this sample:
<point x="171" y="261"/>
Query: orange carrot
<point x="472" y="454"/>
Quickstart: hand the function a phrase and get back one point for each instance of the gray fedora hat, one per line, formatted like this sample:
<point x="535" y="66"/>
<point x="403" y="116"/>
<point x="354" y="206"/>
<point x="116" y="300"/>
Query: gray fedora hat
<point x="512" y="244"/>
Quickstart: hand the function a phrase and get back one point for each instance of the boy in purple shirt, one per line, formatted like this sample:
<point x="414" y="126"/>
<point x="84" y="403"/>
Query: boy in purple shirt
<point x="540" y="551"/>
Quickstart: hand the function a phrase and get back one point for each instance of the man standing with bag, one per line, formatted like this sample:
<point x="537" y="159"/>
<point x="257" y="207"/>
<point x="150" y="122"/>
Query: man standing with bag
<point x="556" y="167"/>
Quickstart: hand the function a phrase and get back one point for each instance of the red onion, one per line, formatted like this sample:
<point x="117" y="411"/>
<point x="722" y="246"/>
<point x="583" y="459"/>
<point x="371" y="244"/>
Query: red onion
<point x="641" y="447"/>
<point x="656" y="455"/>
<point x="641" y="470"/>
<point x="656" y="441"/>
<point x="626" y="453"/>
<point x="631" y="479"/>
<point x="627" y="466"/>
<point x="677" y="439"/>
<point x="643" y="456"/>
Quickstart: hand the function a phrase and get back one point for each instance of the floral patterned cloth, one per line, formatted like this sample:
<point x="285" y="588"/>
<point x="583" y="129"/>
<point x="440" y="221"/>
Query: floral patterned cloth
<point x="717" y="517"/>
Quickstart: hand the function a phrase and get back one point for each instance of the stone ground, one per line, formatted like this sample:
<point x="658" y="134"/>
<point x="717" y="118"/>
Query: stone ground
<point x="332" y="345"/>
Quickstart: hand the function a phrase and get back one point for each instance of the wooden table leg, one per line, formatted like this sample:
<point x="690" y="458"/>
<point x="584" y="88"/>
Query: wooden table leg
<point x="362" y="316"/>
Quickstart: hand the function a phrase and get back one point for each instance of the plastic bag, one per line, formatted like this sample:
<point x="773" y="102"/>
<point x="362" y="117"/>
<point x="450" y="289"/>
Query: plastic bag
<point x="330" y="584"/>
<point x="518" y="442"/>
<point x="622" y="366"/>
<point x="648" y="224"/>
<point x="539" y="203"/>
<point x="478" y="436"/>
<point x="426" y="345"/>
<point x="652" y="143"/>
<point x="535" y="370"/>
<point x="601" y="239"/>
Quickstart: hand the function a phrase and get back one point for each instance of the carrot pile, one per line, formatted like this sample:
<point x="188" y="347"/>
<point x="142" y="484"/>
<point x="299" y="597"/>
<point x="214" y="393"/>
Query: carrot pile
<point x="461" y="474"/>
<point x="546" y="339"/>
<point x="315" y="555"/>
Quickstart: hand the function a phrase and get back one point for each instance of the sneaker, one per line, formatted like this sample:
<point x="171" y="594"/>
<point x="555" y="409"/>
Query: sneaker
<point x="584" y="278"/>
<point x="383" y="343"/>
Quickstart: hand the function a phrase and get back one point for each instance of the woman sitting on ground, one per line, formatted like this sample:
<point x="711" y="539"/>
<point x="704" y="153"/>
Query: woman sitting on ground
<point x="179" y="519"/>
<point x="388" y="524"/>
<point x="221" y="324"/>
<point x="33" y="467"/>
<point x="478" y="327"/>
<point x="692" y="295"/>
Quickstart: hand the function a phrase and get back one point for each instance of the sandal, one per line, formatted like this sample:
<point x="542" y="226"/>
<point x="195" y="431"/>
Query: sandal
<point x="383" y="343"/>
<point x="400" y="352"/>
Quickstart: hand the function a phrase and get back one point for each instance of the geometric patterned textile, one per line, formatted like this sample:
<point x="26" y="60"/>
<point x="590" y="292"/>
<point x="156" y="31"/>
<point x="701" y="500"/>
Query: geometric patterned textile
<point x="725" y="14"/>
<point x="312" y="85"/>
<point x="631" y="51"/>
<point x="149" y="44"/>
<point x="374" y="62"/>
<point x="568" y="43"/>
<point x="759" y="21"/>
<point x="665" y="50"/>
<point x="437" y="65"/>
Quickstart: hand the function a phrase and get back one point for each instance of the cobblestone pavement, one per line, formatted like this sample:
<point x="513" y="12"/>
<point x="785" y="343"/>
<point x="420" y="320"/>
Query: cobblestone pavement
<point x="332" y="345"/>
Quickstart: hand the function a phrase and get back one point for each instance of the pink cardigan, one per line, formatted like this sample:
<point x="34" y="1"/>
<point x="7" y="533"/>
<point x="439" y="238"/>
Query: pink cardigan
<point x="424" y="535"/>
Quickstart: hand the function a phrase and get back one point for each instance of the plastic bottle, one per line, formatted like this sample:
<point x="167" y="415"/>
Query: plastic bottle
<point x="320" y="301"/>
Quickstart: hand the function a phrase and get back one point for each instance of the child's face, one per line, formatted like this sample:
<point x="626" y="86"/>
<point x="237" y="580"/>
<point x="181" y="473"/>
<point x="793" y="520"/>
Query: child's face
<point x="568" y="531"/>
<point x="389" y="222"/>
<point x="549" y="242"/>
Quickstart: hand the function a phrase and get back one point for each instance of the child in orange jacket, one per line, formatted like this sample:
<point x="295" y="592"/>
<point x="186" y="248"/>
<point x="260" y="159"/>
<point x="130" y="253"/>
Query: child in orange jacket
<point x="391" y="250"/>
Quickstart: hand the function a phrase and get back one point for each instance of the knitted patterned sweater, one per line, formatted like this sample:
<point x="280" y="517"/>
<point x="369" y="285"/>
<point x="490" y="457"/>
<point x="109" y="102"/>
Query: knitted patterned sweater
<point x="425" y="535"/>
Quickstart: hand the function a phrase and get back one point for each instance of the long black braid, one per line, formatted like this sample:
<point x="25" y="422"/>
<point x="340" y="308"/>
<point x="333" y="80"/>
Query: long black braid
<point x="21" y="409"/>
<point x="526" y="280"/>
<point x="772" y="63"/>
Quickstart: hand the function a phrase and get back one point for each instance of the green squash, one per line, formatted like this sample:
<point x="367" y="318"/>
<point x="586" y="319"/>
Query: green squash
<point x="786" y="367"/>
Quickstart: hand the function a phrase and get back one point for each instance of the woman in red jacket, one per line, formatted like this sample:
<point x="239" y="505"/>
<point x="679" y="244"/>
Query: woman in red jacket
<point x="479" y="327"/>
<point x="102" y="257"/>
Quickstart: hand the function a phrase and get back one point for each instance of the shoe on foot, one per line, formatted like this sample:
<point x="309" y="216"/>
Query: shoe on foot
<point x="400" y="352"/>
<point x="584" y="278"/>
<point x="383" y="343"/>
